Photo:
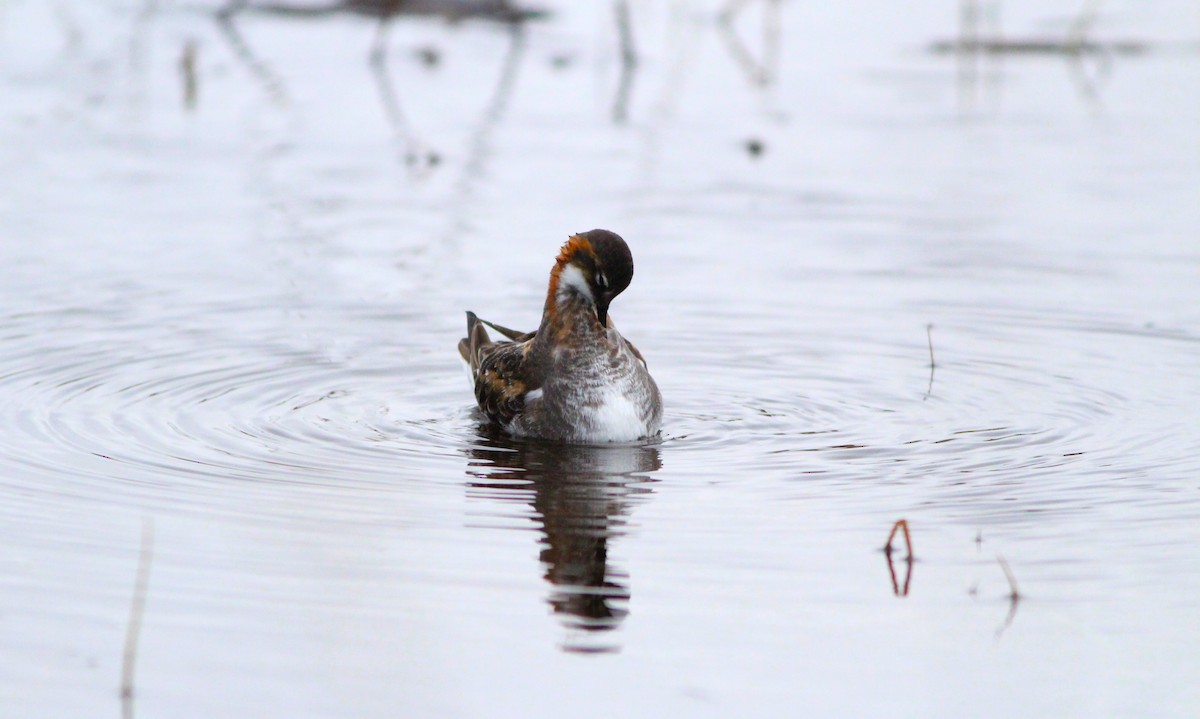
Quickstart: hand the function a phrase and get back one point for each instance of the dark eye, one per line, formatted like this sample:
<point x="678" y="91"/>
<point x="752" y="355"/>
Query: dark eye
<point x="601" y="280"/>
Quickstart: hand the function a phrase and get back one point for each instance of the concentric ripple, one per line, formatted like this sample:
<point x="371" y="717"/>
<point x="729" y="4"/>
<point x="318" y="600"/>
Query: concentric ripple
<point x="220" y="417"/>
<point x="202" y="413"/>
<point x="1019" y="415"/>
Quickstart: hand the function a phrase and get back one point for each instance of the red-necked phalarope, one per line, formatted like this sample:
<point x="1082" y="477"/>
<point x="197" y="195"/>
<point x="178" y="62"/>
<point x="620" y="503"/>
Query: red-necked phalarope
<point x="575" y="379"/>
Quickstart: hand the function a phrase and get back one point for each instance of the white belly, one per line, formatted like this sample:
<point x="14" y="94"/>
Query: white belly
<point x="618" y="418"/>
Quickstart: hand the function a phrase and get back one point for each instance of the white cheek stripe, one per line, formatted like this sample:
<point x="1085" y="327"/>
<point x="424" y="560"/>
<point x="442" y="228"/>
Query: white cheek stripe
<point x="532" y="395"/>
<point x="572" y="277"/>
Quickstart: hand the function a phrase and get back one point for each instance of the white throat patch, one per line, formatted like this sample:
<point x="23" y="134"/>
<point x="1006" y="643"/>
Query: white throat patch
<point x="571" y="276"/>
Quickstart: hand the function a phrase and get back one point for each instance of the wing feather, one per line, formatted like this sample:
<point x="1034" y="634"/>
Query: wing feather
<point x="499" y="369"/>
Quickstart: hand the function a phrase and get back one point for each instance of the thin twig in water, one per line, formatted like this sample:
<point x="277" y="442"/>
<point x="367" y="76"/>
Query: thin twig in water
<point x="136" y="608"/>
<point x="932" y="364"/>
<point x="900" y="525"/>
<point x="1014" y="594"/>
<point x="898" y="589"/>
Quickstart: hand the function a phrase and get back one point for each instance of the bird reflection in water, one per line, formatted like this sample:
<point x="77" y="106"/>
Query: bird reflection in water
<point x="580" y="497"/>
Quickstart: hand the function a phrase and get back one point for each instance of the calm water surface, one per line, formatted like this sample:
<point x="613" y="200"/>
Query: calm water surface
<point x="229" y="312"/>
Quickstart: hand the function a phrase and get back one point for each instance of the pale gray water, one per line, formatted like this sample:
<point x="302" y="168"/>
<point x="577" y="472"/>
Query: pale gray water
<point x="239" y="320"/>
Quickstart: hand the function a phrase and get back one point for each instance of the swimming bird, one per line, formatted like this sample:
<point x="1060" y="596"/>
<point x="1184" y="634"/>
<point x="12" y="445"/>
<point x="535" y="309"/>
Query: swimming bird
<point x="575" y="379"/>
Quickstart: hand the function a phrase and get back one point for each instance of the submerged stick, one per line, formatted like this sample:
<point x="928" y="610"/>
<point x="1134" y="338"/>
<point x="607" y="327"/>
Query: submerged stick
<point x="136" y="608"/>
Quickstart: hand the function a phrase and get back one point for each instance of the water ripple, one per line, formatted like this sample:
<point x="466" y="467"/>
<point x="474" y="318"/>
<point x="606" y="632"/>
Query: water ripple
<point x="194" y="417"/>
<point x="1010" y="400"/>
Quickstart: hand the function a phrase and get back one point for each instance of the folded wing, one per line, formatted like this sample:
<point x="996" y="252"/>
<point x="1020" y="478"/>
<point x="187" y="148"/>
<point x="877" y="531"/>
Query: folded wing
<point x="499" y="369"/>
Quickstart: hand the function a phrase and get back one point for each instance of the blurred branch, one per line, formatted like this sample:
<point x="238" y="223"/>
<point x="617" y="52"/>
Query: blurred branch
<point x="758" y="73"/>
<point x="629" y="61"/>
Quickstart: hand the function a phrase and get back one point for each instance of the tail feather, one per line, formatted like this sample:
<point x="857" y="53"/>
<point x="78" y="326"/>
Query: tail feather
<point x="513" y="335"/>
<point x="471" y="345"/>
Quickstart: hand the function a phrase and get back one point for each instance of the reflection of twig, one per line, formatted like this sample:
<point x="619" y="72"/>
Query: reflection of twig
<point x="137" y="39"/>
<point x="231" y="8"/>
<point x="771" y="34"/>
<point x="968" y="62"/>
<point x="1088" y="84"/>
<point x="498" y="102"/>
<point x="187" y="71"/>
<point x="1014" y="595"/>
<point x="995" y="46"/>
<point x="136" y="608"/>
<point x="71" y="32"/>
<point x="758" y="73"/>
<point x="1077" y="46"/>
<point x="1077" y="34"/>
<point x="416" y="154"/>
<point x="899" y="590"/>
<point x="241" y="50"/>
<point x="143" y="19"/>
<point x="929" y="338"/>
<point x="477" y="150"/>
<point x="629" y="61"/>
<point x="681" y="47"/>
<point x="971" y="41"/>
